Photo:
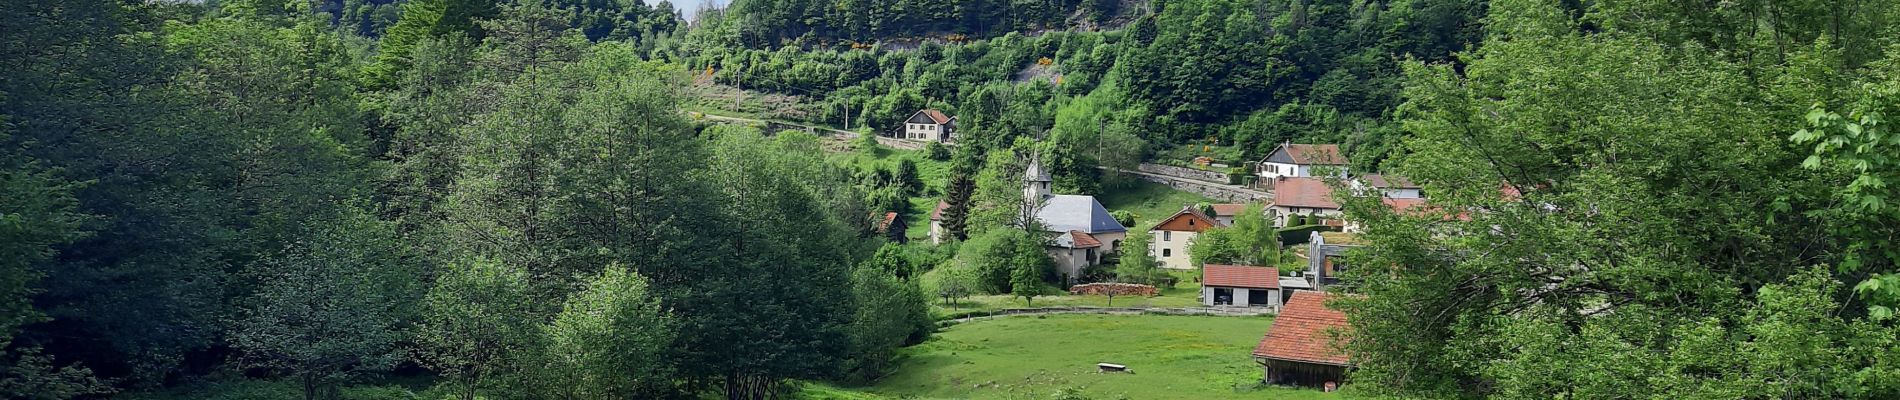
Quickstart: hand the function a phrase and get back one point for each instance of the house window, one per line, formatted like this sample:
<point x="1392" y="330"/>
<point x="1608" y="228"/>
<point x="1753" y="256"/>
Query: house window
<point x="1167" y="235"/>
<point x="1190" y="222"/>
<point x="1167" y="252"/>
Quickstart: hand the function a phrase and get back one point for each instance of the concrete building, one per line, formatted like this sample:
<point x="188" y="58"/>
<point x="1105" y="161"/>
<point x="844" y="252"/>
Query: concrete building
<point x="1326" y="257"/>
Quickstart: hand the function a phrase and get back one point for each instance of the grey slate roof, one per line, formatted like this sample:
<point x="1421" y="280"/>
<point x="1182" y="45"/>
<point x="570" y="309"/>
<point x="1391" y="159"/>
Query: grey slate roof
<point x="1068" y="212"/>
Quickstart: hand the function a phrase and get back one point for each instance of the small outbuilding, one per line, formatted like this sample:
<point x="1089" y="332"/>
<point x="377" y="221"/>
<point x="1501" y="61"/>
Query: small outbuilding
<point x="1299" y="349"/>
<point x="1240" y="285"/>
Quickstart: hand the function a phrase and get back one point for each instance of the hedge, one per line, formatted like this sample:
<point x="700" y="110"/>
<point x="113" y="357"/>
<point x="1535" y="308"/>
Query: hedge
<point x="1301" y="234"/>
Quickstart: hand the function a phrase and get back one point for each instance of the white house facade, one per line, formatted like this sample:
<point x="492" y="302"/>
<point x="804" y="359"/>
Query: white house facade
<point x="1303" y="161"/>
<point x="929" y="125"/>
<point x="1170" y="239"/>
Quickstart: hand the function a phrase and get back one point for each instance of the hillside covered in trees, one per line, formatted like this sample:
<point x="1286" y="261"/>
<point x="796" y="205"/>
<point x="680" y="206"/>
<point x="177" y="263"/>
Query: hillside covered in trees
<point x="1243" y="73"/>
<point x="510" y="199"/>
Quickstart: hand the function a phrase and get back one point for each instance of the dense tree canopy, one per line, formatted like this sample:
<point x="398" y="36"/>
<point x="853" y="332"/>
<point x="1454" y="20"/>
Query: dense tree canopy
<point x="511" y="198"/>
<point x="1618" y="193"/>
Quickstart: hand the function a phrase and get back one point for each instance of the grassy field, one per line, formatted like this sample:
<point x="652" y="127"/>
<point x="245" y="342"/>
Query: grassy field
<point x="1173" y="357"/>
<point x="1150" y="202"/>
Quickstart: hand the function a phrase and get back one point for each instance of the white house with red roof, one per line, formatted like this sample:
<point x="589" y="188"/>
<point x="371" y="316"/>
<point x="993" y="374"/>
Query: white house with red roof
<point x="929" y="124"/>
<point x="1301" y="347"/>
<point x="1169" y="240"/>
<point x="1240" y="285"/>
<point x="1225" y="213"/>
<point x="1302" y="161"/>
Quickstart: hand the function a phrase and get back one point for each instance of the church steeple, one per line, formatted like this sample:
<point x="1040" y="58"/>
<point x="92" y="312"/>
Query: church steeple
<point x="1036" y="188"/>
<point x="1036" y="182"/>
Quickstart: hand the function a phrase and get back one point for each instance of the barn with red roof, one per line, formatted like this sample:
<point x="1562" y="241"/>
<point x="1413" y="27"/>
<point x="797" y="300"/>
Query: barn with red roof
<point x="1240" y="285"/>
<point x="1301" y="346"/>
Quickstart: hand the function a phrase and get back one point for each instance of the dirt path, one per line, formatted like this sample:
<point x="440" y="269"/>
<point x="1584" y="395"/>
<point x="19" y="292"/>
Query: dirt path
<point x="1215" y="311"/>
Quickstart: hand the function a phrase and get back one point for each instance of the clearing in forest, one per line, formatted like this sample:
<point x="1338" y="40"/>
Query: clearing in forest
<point x="1173" y="357"/>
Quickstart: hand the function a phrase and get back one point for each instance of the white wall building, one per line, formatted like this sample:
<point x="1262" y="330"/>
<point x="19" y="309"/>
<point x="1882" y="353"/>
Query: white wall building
<point x="1303" y="161"/>
<point x="928" y="124"/>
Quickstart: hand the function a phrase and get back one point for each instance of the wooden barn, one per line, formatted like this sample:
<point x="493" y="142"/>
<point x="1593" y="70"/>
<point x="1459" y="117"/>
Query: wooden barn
<point x="1298" y="349"/>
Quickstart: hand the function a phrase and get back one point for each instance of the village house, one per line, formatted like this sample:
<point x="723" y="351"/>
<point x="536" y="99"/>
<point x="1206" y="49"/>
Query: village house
<point x="1302" y="161"/>
<point x="1225" y="213"/>
<point x="1298" y="348"/>
<point x="1391" y="187"/>
<point x="1169" y="240"/>
<point x="1081" y="232"/>
<point x="1240" y="285"/>
<point x="930" y="125"/>
<point x="1302" y="196"/>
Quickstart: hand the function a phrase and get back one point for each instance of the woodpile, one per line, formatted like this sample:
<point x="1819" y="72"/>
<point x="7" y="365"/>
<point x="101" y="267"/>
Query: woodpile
<point x="1115" y="289"/>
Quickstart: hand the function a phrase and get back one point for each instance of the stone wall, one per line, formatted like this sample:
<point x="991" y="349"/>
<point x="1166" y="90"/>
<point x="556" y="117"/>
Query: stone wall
<point x="1189" y="173"/>
<point x="1228" y="193"/>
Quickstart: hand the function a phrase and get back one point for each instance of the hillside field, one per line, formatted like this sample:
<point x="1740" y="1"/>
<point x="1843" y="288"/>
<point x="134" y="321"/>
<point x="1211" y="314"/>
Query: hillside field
<point x="1173" y="357"/>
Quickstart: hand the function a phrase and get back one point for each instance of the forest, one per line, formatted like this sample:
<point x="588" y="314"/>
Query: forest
<point x="515" y="200"/>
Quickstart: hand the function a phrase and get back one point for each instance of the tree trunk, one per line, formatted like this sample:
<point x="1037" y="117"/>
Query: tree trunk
<point x="469" y="383"/>
<point x="741" y="386"/>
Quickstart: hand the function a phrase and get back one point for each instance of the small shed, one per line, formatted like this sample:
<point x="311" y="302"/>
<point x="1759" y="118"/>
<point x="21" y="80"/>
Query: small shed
<point x="1299" y="348"/>
<point x="1240" y="285"/>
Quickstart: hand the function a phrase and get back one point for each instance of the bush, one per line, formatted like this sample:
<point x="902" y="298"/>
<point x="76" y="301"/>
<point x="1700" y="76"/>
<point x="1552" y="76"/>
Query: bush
<point x="1127" y="219"/>
<point x="936" y="151"/>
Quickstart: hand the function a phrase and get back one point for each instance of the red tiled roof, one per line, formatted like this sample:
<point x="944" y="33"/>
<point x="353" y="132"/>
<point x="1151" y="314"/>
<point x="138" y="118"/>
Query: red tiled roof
<point x="937" y="214"/>
<point x="1303" y="192"/>
<point x="1405" y="205"/>
<point x="1315" y="154"/>
<point x="1301" y="331"/>
<point x="885" y="223"/>
<point x="1226" y="210"/>
<point x="1390" y="182"/>
<point x="1188" y="212"/>
<point x="1240" y="276"/>
<point x="936" y="116"/>
<point x="1084" y="240"/>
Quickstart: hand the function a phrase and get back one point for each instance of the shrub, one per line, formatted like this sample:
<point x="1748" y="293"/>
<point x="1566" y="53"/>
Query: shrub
<point x="936" y="151"/>
<point x="1127" y="219"/>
